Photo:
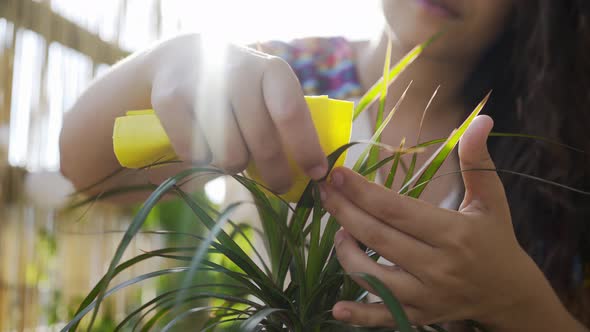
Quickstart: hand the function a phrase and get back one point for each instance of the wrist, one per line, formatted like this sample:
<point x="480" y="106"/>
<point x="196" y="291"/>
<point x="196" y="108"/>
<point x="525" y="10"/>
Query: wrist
<point x="540" y="317"/>
<point x="529" y="303"/>
<point x="539" y="310"/>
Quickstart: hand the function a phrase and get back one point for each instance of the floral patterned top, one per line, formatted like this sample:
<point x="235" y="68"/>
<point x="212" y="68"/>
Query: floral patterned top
<point x="324" y="66"/>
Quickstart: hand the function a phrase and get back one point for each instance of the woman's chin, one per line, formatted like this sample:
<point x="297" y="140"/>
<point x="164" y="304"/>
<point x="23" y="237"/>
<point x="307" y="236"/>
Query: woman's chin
<point x="415" y="21"/>
<point x="469" y="26"/>
<point x="420" y="13"/>
<point x="409" y="36"/>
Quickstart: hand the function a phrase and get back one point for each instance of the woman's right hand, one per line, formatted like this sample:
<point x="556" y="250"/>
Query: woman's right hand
<point x="230" y="110"/>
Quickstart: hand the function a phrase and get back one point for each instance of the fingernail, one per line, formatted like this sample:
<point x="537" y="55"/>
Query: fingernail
<point x="336" y="178"/>
<point x="317" y="172"/>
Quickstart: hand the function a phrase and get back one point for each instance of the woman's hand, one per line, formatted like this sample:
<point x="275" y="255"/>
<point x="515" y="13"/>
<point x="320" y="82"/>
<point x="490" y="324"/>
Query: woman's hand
<point x="224" y="109"/>
<point x="450" y="265"/>
<point x="229" y="105"/>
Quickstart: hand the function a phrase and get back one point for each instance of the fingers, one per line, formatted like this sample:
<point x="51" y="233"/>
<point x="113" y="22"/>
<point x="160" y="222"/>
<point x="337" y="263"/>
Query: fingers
<point x="177" y="118"/>
<point x="218" y="124"/>
<point x="483" y="189"/>
<point x="390" y="243"/>
<point x="371" y="314"/>
<point x="259" y="132"/>
<point x="408" y="215"/>
<point x="225" y="140"/>
<point x="290" y="114"/>
<point x="253" y="104"/>
<point x="354" y="260"/>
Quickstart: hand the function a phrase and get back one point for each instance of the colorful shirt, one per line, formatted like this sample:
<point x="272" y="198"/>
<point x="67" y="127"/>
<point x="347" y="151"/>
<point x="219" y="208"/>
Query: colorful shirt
<point x="324" y="66"/>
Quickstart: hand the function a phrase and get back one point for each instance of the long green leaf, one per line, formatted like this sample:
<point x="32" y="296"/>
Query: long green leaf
<point x="202" y="250"/>
<point x="234" y="252"/>
<point x="99" y="182"/>
<point x="107" y="293"/>
<point x="238" y="227"/>
<point x="374" y="151"/>
<point x="252" y="323"/>
<point x="434" y="163"/>
<point x="394" y="165"/>
<point x="167" y="308"/>
<point x="101" y="284"/>
<point x="135" y="226"/>
<point x="292" y="249"/>
<point x="314" y="264"/>
<point x="303" y="207"/>
<point x="506" y="171"/>
<point x="213" y="326"/>
<point x="437" y="328"/>
<point x="381" y="163"/>
<point x="374" y="92"/>
<point x="384" y="84"/>
<point x="513" y="135"/>
<point x="362" y="161"/>
<point x="187" y="313"/>
<point x="273" y="215"/>
<point x="410" y="171"/>
<point x="165" y="297"/>
<point x="423" y="145"/>
<point x="110" y="194"/>
<point x="395" y="308"/>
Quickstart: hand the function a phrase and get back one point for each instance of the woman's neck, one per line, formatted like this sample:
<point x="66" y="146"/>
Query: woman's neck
<point x="425" y="74"/>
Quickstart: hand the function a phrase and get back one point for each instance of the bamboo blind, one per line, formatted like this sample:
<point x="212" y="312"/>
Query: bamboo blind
<point x="23" y="226"/>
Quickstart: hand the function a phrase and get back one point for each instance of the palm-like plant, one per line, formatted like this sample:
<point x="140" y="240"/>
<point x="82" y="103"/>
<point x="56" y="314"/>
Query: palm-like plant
<point x="297" y="284"/>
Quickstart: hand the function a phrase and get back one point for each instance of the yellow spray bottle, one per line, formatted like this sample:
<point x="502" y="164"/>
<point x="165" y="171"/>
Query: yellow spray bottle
<point x="139" y="139"/>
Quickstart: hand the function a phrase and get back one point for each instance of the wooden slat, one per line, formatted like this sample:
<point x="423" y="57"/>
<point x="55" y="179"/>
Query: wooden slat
<point x="99" y="50"/>
<point x="11" y="8"/>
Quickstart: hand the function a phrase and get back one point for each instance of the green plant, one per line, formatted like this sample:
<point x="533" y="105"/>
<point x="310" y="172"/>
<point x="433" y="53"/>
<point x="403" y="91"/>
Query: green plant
<point x="296" y="285"/>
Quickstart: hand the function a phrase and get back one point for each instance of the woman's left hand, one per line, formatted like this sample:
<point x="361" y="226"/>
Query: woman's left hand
<point x="450" y="265"/>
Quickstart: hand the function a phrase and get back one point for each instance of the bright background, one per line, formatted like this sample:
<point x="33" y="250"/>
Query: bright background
<point x="243" y="21"/>
<point x="133" y="25"/>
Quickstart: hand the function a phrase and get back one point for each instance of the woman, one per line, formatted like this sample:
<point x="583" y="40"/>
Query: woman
<point x="451" y="265"/>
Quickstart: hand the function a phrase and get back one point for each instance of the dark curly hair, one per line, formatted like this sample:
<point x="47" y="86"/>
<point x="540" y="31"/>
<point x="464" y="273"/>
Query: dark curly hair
<point x="539" y="70"/>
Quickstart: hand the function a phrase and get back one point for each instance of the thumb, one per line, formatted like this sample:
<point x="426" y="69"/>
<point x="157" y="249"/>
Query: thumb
<point x="483" y="188"/>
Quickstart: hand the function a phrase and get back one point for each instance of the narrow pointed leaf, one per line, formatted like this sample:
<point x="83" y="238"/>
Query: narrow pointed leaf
<point x="107" y="293"/>
<point x="251" y="323"/>
<point x="394" y="165"/>
<point x="374" y="92"/>
<point x="410" y="171"/>
<point x="189" y="312"/>
<point x="358" y="166"/>
<point x="202" y="249"/>
<point x="392" y="304"/>
<point x="435" y="162"/>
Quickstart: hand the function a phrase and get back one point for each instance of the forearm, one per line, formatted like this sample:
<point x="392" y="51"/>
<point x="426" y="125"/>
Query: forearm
<point x="544" y="312"/>
<point x="86" y="137"/>
<point x="550" y="320"/>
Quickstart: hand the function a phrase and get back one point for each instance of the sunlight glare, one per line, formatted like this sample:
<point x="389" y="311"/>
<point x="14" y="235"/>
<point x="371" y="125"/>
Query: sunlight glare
<point x="247" y="22"/>
<point x="215" y="190"/>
